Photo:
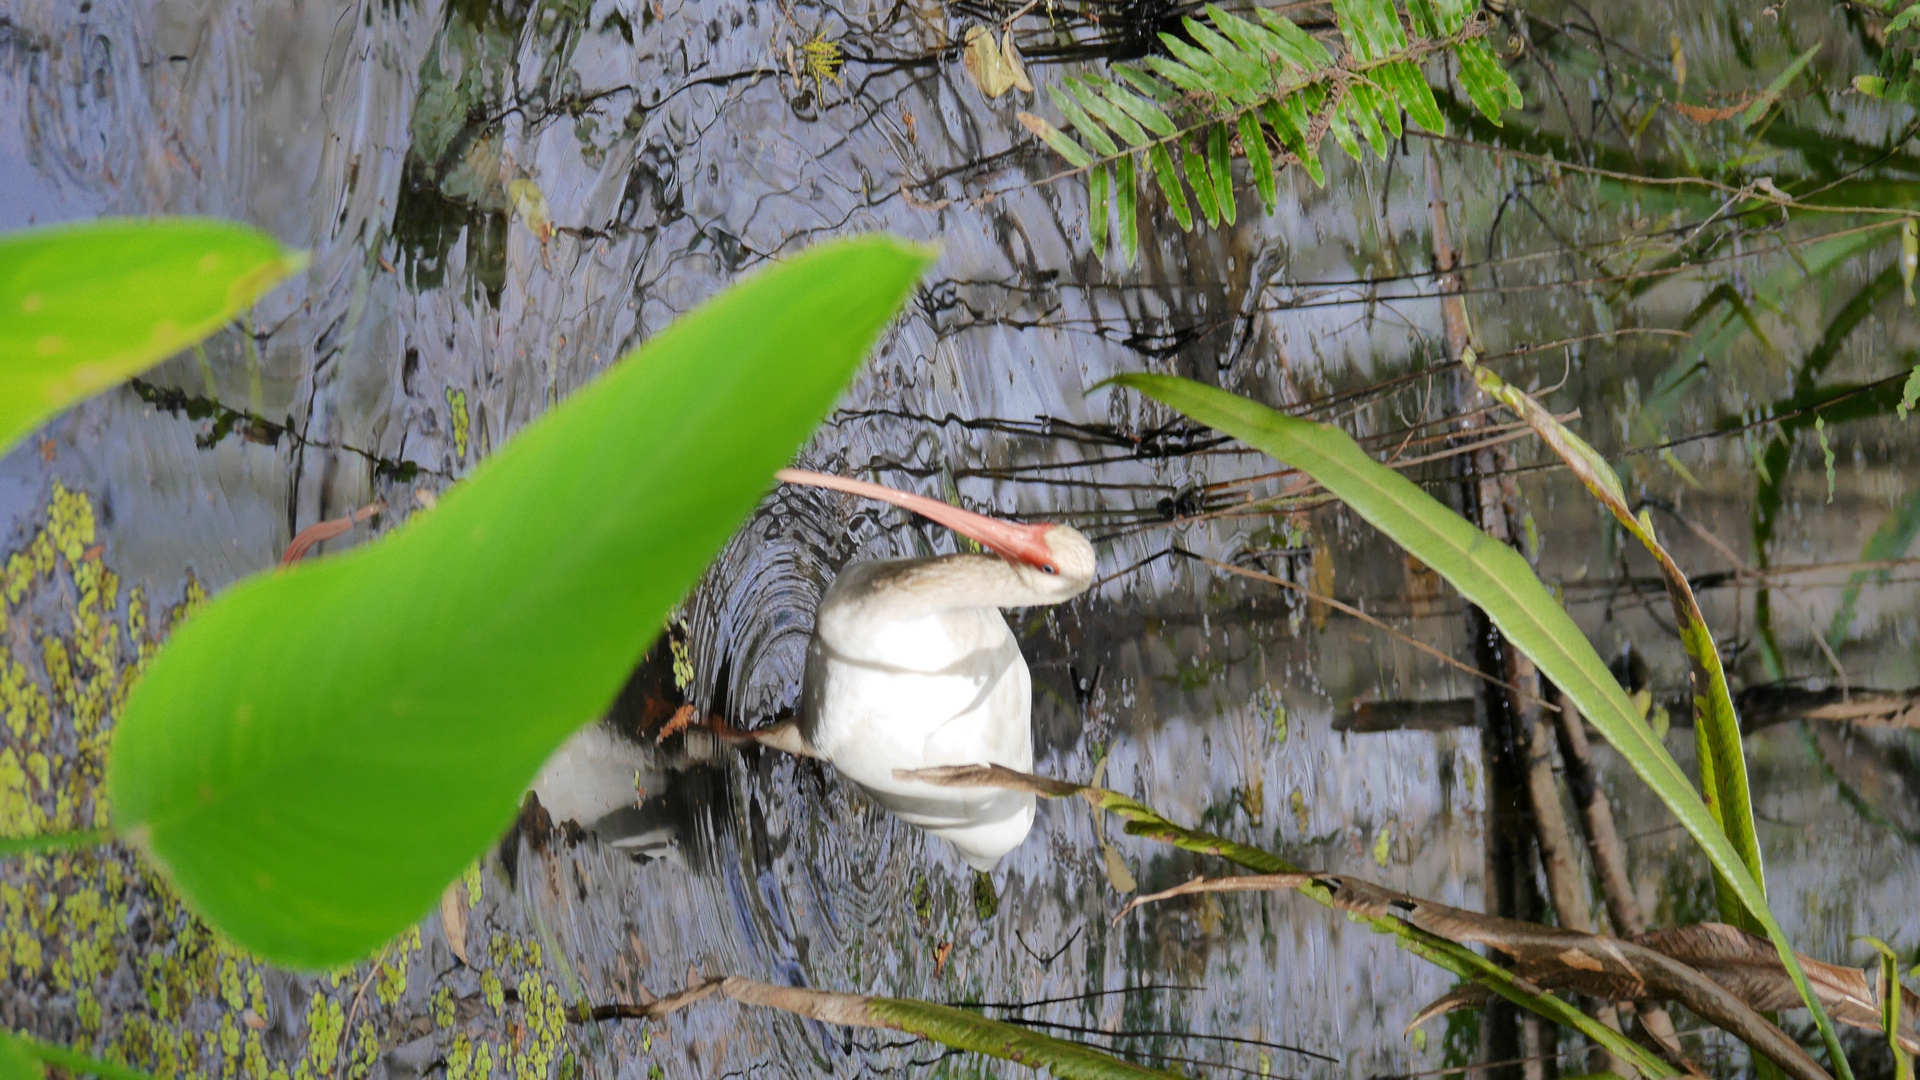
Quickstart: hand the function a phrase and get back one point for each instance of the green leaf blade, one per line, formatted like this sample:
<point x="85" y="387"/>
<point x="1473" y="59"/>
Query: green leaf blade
<point x="1163" y="170"/>
<point x="1255" y="40"/>
<point x="85" y="307"/>
<point x="1774" y="89"/>
<point x="1299" y="48"/>
<point x="1008" y="1042"/>
<point x="1497" y="578"/>
<point x="1099" y="189"/>
<point x="17" y="1061"/>
<point x="1254" y="140"/>
<point x="1182" y="76"/>
<point x="1410" y="91"/>
<point x="1290" y="120"/>
<point x="1486" y="82"/>
<point x="1221" y="165"/>
<point x="1202" y="184"/>
<point x="1061" y="143"/>
<point x="1371" y="27"/>
<point x="1146" y="83"/>
<point x="1250" y="74"/>
<point x="1126" y="199"/>
<point x="1088" y="128"/>
<point x="1141" y="109"/>
<point x="1107" y="112"/>
<point x="318" y="752"/>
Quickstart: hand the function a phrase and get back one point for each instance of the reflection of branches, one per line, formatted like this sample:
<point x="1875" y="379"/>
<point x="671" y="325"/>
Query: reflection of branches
<point x="252" y="427"/>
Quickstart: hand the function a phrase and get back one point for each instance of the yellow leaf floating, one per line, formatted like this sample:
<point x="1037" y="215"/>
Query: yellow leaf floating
<point x="530" y="203"/>
<point x="995" y="68"/>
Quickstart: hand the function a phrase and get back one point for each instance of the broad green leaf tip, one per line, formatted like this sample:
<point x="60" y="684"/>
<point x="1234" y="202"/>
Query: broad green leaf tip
<point x="86" y="306"/>
<point x="318" y="752"/>
<point x="16" y="1061"/>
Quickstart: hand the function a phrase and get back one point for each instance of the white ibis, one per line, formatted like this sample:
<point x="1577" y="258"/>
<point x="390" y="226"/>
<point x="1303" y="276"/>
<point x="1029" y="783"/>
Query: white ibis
<point x="912" y="666"/>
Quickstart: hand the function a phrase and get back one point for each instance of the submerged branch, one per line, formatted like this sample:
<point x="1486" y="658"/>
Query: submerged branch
<point x="1720" y="972"/>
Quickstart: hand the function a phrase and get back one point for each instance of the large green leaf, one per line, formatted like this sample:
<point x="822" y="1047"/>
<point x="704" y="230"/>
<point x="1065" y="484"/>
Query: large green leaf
<point x="1722" y="760"/>
<point x="84" y="307"/>
<point x="315" y="755"/>
<point x="1495" y="577"/>
<point x="16" y="1061"/>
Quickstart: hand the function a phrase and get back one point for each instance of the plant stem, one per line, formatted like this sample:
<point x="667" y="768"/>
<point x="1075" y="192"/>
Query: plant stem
<point x="1504" y="1032"/>
<point x="78" y="1063"/>
<point x="23" y="845"/>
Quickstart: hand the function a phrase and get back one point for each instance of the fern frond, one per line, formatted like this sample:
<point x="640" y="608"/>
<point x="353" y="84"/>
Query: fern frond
<point x="1271" y="89"/>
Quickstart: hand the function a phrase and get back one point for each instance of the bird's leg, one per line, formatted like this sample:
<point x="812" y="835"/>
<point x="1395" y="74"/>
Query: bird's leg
<point x="784" y="736"/>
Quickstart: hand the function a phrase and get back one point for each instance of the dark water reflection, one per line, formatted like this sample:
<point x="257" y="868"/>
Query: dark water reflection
<point x="673" y="151"/>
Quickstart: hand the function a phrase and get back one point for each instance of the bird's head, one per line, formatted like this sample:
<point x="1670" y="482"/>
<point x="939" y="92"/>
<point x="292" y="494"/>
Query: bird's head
<point x="1055" y="561"/>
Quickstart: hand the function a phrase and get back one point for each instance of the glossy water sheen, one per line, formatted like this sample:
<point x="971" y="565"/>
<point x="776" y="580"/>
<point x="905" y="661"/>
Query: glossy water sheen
<point x="387" y="136"/>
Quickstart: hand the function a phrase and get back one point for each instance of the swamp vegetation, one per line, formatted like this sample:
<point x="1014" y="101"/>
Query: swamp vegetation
<point x="1493" y="421"/>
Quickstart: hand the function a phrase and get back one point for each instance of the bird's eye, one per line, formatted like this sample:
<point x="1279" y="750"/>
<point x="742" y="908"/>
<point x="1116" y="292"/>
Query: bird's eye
<point x="1047" y="568"/>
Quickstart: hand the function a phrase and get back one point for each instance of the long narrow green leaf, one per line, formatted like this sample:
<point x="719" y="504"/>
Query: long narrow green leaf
<point x="1722" y="759"/>
<point x="1008" y="1042"/>
<point x="1891" y="993"/>
<point x="16" y="1062"/>
<point x="313" y="756"/>
<point x="1486" y="82"/>
<point x="1362" y="108"/>
<point x="1291" y="120"/>
<point x="1497" y="579"/>
<point x="1083" y="123"/>
<point x="1144" y="110"/>
<point x="1146" y="84"/>
<point x="1075" y="154"/>
<point x="85" y="307"/>
<point x="1255" y="39"/>
<point x="1144" y="821"/>
<point x="1107" y="113"/>
<point x="1170" y="185"/>
<point x="1772" y="93"/>
<point x="26" y="1058"/>
<point x="1371" y="27"/>
<point x="1426" y="21"/>
<point x="1248" y="69"/>
<point x="1409" y="89"/>
<point x="1299" y="48"/>
<point x="959" y="1028"/>
<point x="1099" y="187"/>
<point x="1216" y="79"/>
<point x="1342" y="131"/>
<point x="1202" y="184"/>
<point x="1453" y="14"/>
<point x="1387" y="106"/>
<point x="1890" y="541"/>
<point x="1221" y="165"/>
<point x="1253" y="139"/>
<point x="1126" y="200"/>
<point x="1182" y="76"/>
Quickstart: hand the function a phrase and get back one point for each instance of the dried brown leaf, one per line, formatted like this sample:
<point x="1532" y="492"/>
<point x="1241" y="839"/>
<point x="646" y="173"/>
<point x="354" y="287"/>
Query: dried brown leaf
<point x="1701" y="114"/>
<point x="681" y="719"/>
<point x="453" y="919"/>
<point x="991" y="66"/>
<point x="1748" y="967"/>
<point x="1550" y="958"/>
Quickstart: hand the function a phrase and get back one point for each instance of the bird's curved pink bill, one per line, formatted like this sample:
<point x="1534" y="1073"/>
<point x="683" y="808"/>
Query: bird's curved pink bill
<point x="1011" y="541"/>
